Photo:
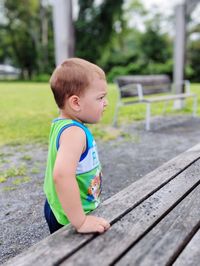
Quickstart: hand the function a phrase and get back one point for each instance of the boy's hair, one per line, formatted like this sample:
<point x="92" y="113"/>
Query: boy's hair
<point x="73" y="77"/>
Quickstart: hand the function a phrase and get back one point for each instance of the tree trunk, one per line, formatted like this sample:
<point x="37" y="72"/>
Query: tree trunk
<point x="63" y="30"/>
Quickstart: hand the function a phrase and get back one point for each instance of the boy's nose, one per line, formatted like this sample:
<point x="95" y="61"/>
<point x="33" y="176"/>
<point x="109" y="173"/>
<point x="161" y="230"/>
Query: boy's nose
<point x="105" y="102"/>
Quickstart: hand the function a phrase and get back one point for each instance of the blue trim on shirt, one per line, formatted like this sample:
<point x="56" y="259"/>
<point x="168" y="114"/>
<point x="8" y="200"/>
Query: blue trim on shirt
<point x="89" y="138"/>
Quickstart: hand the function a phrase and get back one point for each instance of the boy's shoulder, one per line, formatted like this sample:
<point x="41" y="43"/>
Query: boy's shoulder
<point x="59" y="125"/>
<point x="60" y="122"/>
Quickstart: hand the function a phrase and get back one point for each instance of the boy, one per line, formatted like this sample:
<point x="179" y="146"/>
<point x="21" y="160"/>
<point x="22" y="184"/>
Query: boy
<point x="73" y="175"/>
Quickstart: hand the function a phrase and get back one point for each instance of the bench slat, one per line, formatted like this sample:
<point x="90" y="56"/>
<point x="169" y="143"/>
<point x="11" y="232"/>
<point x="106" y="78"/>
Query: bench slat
<point x="165" y="239"/>
<point x="191" y="254"/>
<point x="125" y="199"/>
<point x="140" y="86"/>
<point x="66" y="240"/>
<point x="106" y="248"/>
<point x="168" y="97"/>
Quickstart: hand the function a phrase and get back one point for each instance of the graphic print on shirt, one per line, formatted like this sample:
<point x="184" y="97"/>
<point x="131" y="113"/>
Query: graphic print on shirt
<point x="90" y="162"/>
<point x="94" y="189"/>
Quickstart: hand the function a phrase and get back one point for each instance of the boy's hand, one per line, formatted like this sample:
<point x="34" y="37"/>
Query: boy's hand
<point x="93" y="224"/>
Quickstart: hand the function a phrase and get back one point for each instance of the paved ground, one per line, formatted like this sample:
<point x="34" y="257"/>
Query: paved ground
<point x="124" y="160"/>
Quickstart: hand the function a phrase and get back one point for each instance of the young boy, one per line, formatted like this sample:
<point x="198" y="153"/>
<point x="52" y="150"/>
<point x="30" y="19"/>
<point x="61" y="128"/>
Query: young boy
<point x="73" y="175"/>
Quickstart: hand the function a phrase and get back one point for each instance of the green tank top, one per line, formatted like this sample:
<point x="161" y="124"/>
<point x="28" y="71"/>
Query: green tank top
<point x="88" y="172"/>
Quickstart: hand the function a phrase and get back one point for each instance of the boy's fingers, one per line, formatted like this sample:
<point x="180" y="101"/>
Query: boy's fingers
<point x="105" y="223"/>
<point x="101" y="228"/>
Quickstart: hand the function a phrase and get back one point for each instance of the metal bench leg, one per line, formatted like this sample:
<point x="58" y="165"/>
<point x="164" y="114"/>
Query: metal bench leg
<point x="148" y="116"/>
<point x="164" y="107"/>
<point x="115" y="115"/>
<point x="194" y="107"/>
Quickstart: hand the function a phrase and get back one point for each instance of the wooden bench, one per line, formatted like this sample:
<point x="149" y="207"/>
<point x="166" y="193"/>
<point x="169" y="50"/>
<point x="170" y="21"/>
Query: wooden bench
<point x="139" y="88"/>
<point x="155" y="221"/>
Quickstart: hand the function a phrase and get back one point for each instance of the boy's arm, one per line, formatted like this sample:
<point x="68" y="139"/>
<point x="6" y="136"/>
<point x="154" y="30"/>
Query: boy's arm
<point x="72" y="145"/>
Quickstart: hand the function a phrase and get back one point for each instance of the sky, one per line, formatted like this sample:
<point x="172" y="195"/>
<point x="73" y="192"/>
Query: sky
<point x="163" y="5"/>
<point x="166" y="7"/>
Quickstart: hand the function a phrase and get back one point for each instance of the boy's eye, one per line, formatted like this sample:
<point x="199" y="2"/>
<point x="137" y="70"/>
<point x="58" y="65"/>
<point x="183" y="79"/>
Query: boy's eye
<point x="101" y="98"/>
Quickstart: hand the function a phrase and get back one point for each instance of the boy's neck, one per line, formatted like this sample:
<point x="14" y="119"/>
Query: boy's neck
<point x="63" y="115"/>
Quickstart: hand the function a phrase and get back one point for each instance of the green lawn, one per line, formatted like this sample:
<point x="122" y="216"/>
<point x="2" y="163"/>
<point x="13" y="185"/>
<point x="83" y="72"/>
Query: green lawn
<point x="26" y="111"/>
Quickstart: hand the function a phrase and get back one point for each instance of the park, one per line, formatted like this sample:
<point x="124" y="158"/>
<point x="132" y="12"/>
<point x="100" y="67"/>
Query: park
<point x="150" y="161"/>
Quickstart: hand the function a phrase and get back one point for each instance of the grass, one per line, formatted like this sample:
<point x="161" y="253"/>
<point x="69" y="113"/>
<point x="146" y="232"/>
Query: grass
<point x="21" y="180"/>
<point x="26" y="111"/>
<point x="12" y="172"/>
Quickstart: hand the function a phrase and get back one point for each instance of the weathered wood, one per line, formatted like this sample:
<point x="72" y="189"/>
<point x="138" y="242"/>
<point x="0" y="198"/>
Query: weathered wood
<point x="162" y="243"/>
<point x="142" y="188"/>
<point x="106" y="248"/>
<point x="146" y="80"/>
<point x="51" y="249"/>
<point x="191" y="254"/>
<point x="66" y="241"/>
<point x="151" y="84"/>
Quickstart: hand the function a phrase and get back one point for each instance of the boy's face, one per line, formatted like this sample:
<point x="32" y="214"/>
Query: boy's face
<point x="94" y="101"/>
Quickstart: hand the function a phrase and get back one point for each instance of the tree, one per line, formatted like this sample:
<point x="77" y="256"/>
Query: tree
<point x="94" y="27"/>
<point x="193" y="47"/>
<point x="27" y="27"/>
<point x="154" y="45"/>
<point x="21" y="26"/>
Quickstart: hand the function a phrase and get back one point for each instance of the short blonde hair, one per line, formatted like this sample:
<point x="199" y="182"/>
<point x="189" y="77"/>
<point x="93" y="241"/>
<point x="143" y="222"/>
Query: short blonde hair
<point x="73" y="77"/>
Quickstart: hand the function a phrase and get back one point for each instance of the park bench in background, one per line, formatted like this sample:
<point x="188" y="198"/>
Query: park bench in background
<point x="155" y="221"/>
<point x="139" y="88"/>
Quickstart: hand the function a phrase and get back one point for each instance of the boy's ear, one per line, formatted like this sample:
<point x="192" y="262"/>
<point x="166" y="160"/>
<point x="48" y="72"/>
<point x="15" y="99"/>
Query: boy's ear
<point x="74" y="102"/>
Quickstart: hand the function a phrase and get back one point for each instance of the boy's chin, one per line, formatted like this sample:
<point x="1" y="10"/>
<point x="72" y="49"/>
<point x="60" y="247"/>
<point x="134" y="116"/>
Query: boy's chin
<point x="92" y="121"/>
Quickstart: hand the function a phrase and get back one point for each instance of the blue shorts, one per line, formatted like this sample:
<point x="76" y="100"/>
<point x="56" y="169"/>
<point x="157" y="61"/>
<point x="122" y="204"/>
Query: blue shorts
<point x="50" y="218"/>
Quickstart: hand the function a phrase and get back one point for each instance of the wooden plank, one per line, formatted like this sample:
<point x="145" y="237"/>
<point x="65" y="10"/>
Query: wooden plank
<point x="191" y="254"/>
<point x="66" y="241"/>
<point x="106" y="248"/>
<point x="161" y="245"/>
<point x="144" y="187"/>
<point x="49" y="250"/>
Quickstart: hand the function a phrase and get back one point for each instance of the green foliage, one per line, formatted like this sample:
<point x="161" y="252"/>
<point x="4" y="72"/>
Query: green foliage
<point x="140" y="67"/>
<point x="148" y="52"/>
<point x="104" y="36"/>
<point x="193" y="62"/>
<point x="21" y="26"/>
<point x="94" y="27"/>
<point x="117" y="71"/>
<point x="155" y="46"/>
<point x="158" y="68"/>
<point x="41" y="78"/>
<point x="27" y="37"/>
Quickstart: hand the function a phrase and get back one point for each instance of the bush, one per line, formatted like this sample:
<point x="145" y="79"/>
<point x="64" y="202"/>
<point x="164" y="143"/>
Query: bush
<point x="116" y="71"/>
<point x="158" y="68"/>
<point x="139" y="68"/>
<point x="41" y="78"/>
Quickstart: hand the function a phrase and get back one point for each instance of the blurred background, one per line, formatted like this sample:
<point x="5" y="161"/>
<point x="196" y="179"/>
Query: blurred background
<point x="122" y="36"/>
